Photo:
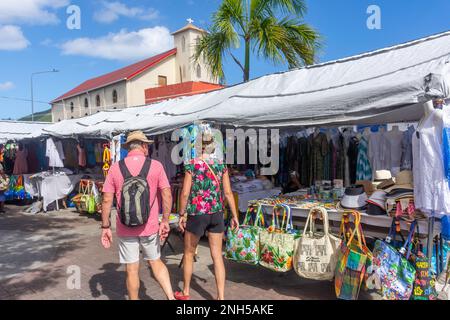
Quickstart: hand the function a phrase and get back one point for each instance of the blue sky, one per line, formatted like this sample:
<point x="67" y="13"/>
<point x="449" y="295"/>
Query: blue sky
<point x="34" y="37"/>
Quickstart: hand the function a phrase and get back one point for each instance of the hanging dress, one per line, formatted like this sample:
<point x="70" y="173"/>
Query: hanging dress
<point x="431" y="190"/>
<point x="21" y="164"/>
<point x="363" y="168"/>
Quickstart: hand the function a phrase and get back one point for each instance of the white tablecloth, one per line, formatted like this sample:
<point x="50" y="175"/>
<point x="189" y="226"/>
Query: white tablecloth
<point x="53" y="187"/>
<point x="244" y="198"/>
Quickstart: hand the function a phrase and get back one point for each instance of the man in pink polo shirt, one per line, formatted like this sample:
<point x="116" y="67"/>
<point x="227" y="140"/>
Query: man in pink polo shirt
<point x="148" y="235"/>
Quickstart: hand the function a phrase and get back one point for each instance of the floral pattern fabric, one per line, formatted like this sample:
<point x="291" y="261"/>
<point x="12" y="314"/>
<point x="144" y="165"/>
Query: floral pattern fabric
<point x="206" y="192"/>
<point x="243" y="245"/>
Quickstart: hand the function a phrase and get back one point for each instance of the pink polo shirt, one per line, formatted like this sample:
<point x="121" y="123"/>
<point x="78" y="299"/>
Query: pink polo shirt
<point x="157" y="180"/>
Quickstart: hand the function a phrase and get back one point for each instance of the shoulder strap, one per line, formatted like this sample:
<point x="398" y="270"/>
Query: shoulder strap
<point x="214" y="174"/>
<point x="145" y="168"/>
<point x="124" y="170"/>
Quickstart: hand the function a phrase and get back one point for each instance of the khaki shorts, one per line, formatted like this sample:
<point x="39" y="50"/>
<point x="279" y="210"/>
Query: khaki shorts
<point x="129" y="248"/>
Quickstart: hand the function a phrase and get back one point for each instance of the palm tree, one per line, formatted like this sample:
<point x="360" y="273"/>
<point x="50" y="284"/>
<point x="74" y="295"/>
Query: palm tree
<point x="257" y="23"/>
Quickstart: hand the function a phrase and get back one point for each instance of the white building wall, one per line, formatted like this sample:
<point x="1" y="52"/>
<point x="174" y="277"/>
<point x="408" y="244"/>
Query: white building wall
<point x="79" y="110"/>
<point x="136" y="87"/>
<point x="185" y="55"/>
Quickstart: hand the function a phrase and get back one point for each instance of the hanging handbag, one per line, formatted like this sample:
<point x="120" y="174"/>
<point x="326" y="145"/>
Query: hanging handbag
<point x="315" y="254"/>
<point x="277" y="242"/>
<point x="242" y="245"/>
<point x="396" y="274"/>
<point x="353" y="260"/>
<point x="424" y="282"/>
<point x="443" y="283"/>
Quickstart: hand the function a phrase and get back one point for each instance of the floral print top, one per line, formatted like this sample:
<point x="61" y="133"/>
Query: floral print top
<point x="206" y="194"/>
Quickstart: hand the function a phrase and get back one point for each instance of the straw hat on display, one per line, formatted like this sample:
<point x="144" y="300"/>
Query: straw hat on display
<point x="354" y="198"/>
<point x="404" y="180"/>
<point x="137" y="136"/>
<point x="368" y="186"/>
<point x="382" y="177"/>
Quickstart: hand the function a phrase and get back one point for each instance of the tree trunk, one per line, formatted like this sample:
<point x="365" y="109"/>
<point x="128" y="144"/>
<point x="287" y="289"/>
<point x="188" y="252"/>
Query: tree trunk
<point x="247" y="60"/>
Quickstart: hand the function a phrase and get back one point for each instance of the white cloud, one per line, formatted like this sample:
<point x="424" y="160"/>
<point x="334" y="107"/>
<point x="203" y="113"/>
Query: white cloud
<point x="8" y="85"/>
<point x="123" y="45"/>
<point x="30" y="11"/>
<point x="12" y="38"/>
<point x="112" y="11"/>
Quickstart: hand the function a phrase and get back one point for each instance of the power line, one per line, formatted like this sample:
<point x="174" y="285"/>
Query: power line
<point x="22" y="99"/>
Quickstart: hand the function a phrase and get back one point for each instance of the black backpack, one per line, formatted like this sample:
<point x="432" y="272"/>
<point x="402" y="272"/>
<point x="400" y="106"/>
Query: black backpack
<point x="134" y="209"/>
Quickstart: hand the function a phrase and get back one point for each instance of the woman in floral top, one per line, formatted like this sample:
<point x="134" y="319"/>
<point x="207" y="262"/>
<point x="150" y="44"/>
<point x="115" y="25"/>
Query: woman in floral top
<point x="206" y="183"/>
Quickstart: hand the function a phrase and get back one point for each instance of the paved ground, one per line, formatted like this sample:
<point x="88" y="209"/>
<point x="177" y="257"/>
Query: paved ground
<point x="37" y="254"/>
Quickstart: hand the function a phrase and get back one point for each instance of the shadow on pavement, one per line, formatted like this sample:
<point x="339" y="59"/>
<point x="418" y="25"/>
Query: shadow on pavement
<point x="112" y="284"/>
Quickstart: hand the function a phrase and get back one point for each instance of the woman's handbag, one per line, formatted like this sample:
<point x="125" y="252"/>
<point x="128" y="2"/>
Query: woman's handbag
<point x="242" y="245"/>
<point x="277" y="242"/>
<point x="396" y="274"/>
<point x="315" y="254"/>
<point x="353" y="260"/>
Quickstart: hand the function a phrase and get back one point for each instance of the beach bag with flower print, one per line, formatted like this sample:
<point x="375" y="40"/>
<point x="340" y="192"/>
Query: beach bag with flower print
<point x="315" y="254"/>
<point x="277" y="242"/>
<point x="353" y="260"/>
<point x="242" y="245"/>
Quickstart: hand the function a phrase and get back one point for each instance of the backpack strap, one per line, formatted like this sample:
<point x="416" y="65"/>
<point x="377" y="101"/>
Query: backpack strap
<point x="145" y="168"/>
<point x="124" y="170"/>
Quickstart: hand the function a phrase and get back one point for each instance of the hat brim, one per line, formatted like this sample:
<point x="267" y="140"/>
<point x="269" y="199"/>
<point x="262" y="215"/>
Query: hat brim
<point x="385" y="184"/>
<point x="375" y="210"/>
<point x="407" y="186"/>
<point x="126" y="144"/>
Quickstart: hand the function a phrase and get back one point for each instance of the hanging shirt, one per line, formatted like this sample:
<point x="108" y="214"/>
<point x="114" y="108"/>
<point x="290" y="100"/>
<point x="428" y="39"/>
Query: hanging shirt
<point x="54" y="152"/>
<point x="407" y="156"/>
<point x="446" y="144"/>
<point x="431" y="190"/>
<point x="21" y="164"/>
<point x="81" y="156"/>
<point x="395" y="144"/>
<point x="363" y="168"/>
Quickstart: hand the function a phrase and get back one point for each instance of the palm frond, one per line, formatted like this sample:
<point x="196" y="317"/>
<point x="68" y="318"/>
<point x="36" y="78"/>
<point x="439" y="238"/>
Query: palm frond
<point x="287" y="41"/>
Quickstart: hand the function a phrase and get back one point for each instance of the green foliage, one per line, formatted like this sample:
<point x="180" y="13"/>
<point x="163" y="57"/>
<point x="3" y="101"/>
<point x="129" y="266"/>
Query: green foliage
<point x="273" y="29"/>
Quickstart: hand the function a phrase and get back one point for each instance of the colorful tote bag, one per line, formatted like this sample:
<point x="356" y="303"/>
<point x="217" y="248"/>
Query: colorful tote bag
<point x="242" y="245"/>
<point x="424" y="283"/>
<point x="353" y="259"/>
<point x="315" y="254"/>
<point x="277" y="242"/>
<point x="395" y="273"/>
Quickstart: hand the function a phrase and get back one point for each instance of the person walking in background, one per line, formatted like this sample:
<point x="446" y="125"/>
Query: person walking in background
<point x="136" y="182"/>
<point x="202" y="209"/>
<point x="4" y="185"/>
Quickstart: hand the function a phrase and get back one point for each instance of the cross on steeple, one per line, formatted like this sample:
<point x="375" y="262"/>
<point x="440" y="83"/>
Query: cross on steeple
<point x="189" y="20"/>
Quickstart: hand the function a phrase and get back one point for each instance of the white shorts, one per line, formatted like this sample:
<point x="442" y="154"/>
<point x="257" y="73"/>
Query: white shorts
<point x="129" y="248"/>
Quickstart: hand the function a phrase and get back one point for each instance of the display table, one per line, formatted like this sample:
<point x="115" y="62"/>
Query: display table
<point x="244" y="198"/>
<point x="51" y="186"/>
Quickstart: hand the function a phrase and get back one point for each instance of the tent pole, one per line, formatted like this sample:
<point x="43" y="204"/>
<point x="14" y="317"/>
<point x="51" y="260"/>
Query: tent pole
<point x="430" y="236"/>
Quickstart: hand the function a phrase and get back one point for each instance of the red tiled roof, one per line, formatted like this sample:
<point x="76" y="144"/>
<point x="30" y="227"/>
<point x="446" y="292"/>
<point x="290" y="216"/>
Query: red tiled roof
<point x="180" y="89"/>
<point x="125" y="73"/>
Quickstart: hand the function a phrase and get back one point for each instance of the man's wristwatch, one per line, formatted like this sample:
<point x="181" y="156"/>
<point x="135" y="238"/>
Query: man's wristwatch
<point x="105" y="227"/>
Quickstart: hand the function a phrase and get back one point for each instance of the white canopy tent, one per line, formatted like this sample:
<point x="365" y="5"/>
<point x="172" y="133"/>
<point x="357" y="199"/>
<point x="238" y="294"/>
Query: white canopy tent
<point x="387" y="85"/>
<point x="18" y="130"/>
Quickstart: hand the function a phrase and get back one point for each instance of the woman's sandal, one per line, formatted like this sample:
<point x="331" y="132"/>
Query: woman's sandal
<point x="180" y="296"/>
